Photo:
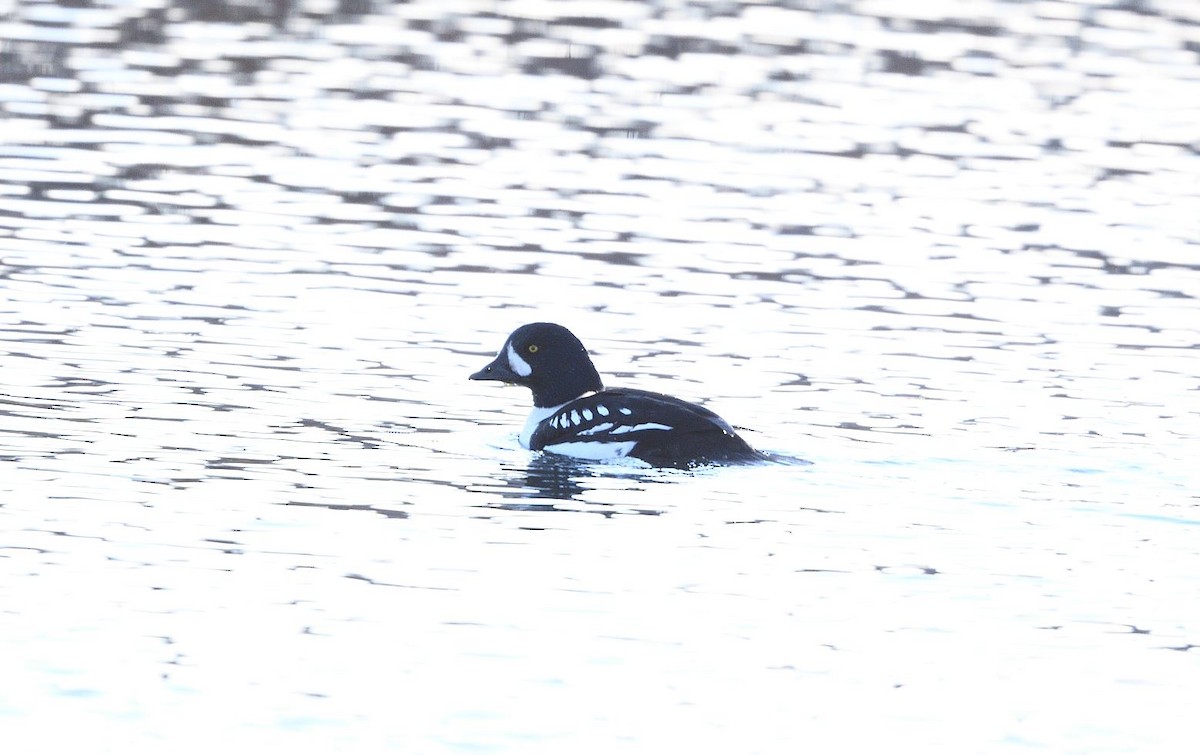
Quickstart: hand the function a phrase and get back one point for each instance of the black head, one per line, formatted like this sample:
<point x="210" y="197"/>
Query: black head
<point x="546" y="358"/>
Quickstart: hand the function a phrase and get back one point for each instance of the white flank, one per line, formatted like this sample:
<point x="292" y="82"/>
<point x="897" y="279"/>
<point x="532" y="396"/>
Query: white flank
<point x="643" y="426"/>
<point x="593" y="449"/>
<point x="519" y="365"/>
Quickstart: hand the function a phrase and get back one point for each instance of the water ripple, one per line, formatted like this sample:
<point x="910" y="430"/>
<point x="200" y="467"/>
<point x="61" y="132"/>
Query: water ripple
<point x="250" y="252"/>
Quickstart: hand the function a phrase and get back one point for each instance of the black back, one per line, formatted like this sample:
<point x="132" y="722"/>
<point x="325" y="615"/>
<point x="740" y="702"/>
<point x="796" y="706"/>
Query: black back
<point x="695" y="435"/>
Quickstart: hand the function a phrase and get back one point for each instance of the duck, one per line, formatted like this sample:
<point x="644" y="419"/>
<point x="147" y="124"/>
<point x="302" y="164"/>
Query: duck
<point x="575" y="415"/>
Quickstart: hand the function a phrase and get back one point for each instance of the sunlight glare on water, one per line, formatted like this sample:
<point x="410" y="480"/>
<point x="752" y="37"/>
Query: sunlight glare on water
<point x="946" y="254"/>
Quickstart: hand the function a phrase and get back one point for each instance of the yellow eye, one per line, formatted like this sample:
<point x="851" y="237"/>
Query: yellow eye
<point x="533" y="347"/>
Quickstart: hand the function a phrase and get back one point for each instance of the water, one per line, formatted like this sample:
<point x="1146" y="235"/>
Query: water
<point x="946" y="253"/>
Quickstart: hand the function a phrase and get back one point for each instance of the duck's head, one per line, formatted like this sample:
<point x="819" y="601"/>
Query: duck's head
<point x="546" y="358"/>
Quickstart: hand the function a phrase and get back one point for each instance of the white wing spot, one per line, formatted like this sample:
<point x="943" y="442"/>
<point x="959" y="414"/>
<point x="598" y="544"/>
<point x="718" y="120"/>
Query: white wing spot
<point x="574" y="417"/>
<point x="587" y="414"/>
<point x="623" y="410"/>
<point x="563" y="420"/>
<point x="554" y="422"/>
<point x="644" y="426"/>
<point x="603" y="410"/>
<point x="597" y="429"/>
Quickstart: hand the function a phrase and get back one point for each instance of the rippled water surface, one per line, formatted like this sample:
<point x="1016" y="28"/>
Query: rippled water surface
<point x="946" y="252"/>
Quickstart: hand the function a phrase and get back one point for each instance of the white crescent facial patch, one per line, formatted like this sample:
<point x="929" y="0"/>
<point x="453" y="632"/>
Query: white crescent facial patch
<point x="518" y="365"/>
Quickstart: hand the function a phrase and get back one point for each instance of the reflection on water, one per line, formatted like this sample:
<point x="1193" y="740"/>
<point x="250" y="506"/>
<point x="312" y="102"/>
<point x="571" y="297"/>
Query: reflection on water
<point x="549" y="477"/>
<point x="946" y="252"/>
